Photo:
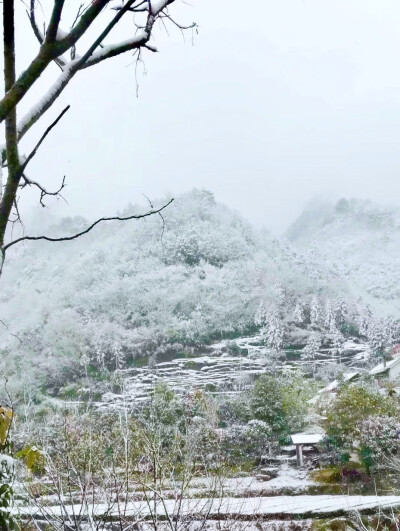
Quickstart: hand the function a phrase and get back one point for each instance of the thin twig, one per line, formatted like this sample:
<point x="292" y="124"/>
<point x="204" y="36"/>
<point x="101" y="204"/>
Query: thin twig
<point x="11" y="334"/>
<point x="75" y="236"/>
<point x="34" y="151"/>
<point x="43" y="190"/>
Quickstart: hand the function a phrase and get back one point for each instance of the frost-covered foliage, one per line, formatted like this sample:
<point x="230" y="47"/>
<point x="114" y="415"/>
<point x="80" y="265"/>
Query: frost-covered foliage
<point x="7" y="470"/>
<point x="272" y="326"/>
<point x="110" y="459"/>
<point x="152" y="290"/>
<point x="382" y="334"/>
<point x="257" y="419"/>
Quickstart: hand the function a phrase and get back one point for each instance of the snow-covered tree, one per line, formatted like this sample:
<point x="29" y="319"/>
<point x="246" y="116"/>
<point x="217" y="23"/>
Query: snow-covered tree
<point x="315" y="312"/>
<point x="380" y="336"/>
<point x="337" y="344"/>
<point x="299" y="314"/>
<point x="272" y="328"/>
<point x="364" y="320"/>
<point x="310" y="351"/>
<point x="340" y="311"/>
<point x="329" y="317"/>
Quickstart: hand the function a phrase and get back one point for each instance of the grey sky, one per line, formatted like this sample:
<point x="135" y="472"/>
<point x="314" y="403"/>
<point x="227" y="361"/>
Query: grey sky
<point x="276" y="102"/>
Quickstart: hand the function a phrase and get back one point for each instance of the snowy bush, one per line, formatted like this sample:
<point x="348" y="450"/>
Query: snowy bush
<point x="281" y="402"/>
<point x="351" y="413"/>
<point x="380" y="436"/>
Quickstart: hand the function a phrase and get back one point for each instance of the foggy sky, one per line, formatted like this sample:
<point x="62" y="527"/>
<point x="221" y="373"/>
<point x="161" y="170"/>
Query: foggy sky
<point x="274" y="103"/>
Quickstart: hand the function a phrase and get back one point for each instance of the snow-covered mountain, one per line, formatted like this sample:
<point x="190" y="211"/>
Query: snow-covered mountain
<point x="141" y="288"/>
<point x="361" y="243"/>
<point x="164" y="287"/>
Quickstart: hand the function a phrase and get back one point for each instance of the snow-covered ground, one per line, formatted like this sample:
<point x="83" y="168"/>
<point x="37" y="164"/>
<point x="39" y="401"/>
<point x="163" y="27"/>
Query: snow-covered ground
<point x="281" y="506"/>
<point x="289" y="479"/>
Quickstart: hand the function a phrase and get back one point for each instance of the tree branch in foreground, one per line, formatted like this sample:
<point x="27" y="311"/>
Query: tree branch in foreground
<point x="34" y="151"/>
<point x="51" y="34"/>
<point x="43" y="191"/>
<point x="75" y="236"/>
<point x="29" y="182"/>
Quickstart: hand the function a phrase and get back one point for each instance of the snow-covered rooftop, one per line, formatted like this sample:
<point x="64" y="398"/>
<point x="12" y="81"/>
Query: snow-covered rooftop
<point x="382" y="368"/>
<point x="306" y="438"/>
<point x="346" y="378"/>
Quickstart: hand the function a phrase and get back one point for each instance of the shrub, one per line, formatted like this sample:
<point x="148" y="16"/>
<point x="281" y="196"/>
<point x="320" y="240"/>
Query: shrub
<point x="281" y="402"/>
<point x="353" y="411"/>
<point x="380" y="437"/>
<point x="267" y="404"/>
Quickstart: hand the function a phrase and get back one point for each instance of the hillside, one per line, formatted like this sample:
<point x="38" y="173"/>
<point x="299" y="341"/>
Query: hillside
<point x="361" y="242"/>
<point x="144" y="289"/>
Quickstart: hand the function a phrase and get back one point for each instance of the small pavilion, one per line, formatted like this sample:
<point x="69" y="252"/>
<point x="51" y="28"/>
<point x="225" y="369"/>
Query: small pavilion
<point x="300" y="439"/>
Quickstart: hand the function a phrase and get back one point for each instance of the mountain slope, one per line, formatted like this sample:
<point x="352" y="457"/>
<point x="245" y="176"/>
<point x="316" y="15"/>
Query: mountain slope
<point x="361" y="242"/>
<point x="141" y="289"/>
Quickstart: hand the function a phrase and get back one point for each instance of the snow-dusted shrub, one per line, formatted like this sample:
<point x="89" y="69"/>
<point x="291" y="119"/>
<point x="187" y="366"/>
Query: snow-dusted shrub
<point x="380" y="437"/>
<point x="267" y="404"/>
<point x="281" y="402"/>
<point x="245" y="442"/>
<point x="354" y="406"/>
<point x="296" y="390"/>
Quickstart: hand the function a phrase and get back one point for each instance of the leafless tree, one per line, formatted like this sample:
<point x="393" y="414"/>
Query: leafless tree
<point x="61" y="47"/>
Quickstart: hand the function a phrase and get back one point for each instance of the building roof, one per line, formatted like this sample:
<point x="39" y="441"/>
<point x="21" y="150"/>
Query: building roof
<point x="306" y="438"/>
<point x="347" y="377"/>
<point x="379" y="369"/>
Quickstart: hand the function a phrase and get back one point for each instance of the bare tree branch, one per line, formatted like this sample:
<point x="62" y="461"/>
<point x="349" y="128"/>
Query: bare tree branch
<point x="38" y="34"/>
<point x="32" y="18"/>
<point x="43" y="191"/>
<point x="193" y="25"/>
<point x="78" y="14"/>
<point x="84" y="23"/>
<point x="75" y="236"/>
<point x="74" y="66"/>
<point x="34" y="151"/>
<point x="47" y="53"/>
<point x="113" y="50"/>
<point x="51" y="34"/>
<point x="53" y="45"/>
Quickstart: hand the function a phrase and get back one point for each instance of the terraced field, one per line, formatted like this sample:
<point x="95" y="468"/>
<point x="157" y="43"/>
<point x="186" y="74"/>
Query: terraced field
<point x="219" y="371"/>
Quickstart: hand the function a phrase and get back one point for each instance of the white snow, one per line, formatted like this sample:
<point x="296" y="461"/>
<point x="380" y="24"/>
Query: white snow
<point x="273" y="505"/>
<point x="157" y="6"/>
<point x="103" y="52"/>
<point x="61" y="34"/>
<point x="306" y="438"/>
<point x="57" y="87"/>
